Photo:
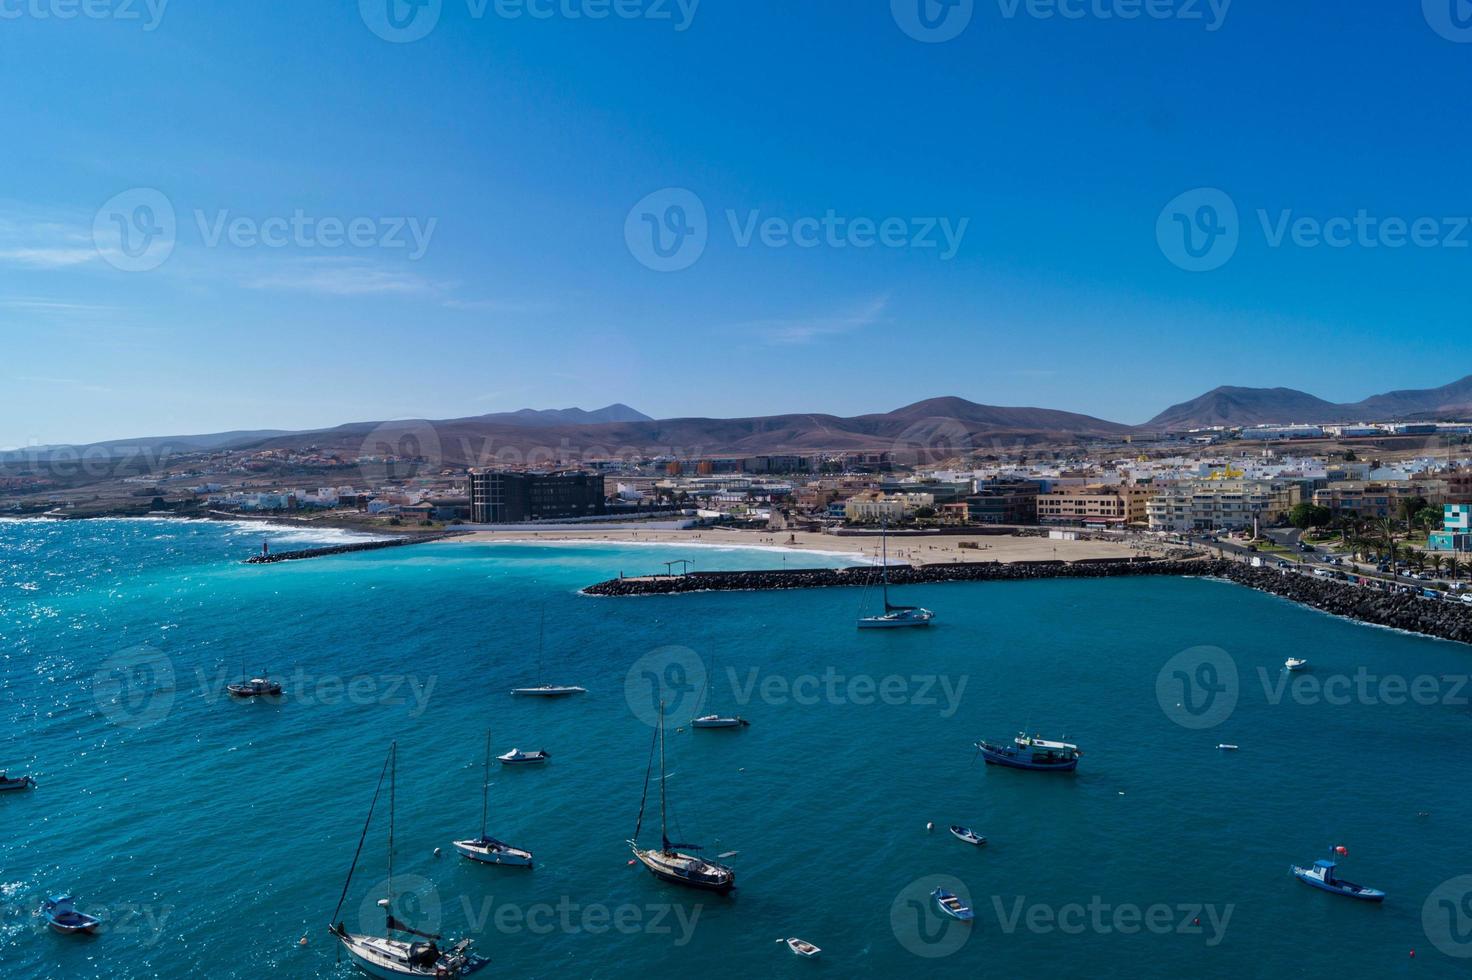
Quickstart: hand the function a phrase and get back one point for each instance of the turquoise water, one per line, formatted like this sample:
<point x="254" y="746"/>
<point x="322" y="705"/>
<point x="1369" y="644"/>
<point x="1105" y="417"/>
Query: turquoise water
<point x="213" y="835"/>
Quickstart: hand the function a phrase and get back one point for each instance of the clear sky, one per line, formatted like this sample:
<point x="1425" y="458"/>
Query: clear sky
<point x="524" y="150"/>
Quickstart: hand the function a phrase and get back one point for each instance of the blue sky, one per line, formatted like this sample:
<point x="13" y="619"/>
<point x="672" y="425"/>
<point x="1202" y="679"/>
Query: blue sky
<point x="521" y="148"/>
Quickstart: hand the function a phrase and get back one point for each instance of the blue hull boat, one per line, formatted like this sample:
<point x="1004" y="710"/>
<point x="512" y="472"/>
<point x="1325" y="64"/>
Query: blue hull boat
<point x="1031" y="752"/>
<point x="1322" y="877"/>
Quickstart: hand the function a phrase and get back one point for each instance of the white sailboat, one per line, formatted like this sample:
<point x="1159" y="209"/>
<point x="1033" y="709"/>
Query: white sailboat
<point x="894" y="617"/>
<point x="384" y="956"/>
<point x="716" y="720"/>
<point x="668" y="862"/>
<point x="485" y="848"/>
<point x="541" y="690"/>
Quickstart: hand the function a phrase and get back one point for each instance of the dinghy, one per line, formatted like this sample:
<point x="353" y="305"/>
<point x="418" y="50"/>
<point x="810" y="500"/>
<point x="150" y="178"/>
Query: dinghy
<point x="12" y="784"/>
<point x="801" y="947"/>
<point x="967" y="834"/>
<point x="949" y="904"/>
<point x="516" y="757"/>
<point x="61" y="915"/>
<point x="485" y="848"/>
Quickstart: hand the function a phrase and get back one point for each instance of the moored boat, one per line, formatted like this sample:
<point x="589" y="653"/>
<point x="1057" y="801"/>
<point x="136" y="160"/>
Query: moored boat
<point x="549" y="691"/>
<point x="516" y="757"/>
<point x="951" y="905"/>
<point x="801" y="947"/>
<point x="668" y="862"/>
<point x="62" y="916"/>
<point x="386" y="957"/>
<point x="1295" y="663"/>
<point x="967" y="834"/>
<point x="1324" y="876"/>
<point x="14" y="784"/>
<point x="1031" y="752"/>
<point x="1227" y="747"/>
<point x="256" y="687"/>
<point x="719" y="721"/>
<point x="485" y="848"/>
<point x="893" y="617"/>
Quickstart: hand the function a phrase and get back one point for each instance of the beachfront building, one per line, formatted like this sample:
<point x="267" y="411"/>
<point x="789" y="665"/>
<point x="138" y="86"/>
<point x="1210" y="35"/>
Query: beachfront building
<point x="1377" y="499"/>
<point x="1005" y="502"/>
<point x="1456" y="529"/>
<point x="501" y="497"/>
<point x="879" y="508"/>
<point x="1220" y="504"/>
<point x="1097" y="504"/>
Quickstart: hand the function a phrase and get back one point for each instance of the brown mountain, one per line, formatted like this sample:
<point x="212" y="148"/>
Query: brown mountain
<point x="1264" y="406"/>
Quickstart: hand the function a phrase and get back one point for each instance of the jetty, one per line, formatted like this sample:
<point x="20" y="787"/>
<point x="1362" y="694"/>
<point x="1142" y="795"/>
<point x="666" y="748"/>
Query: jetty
<point x="346" y="549"/>
<point x="1398" y="610"/>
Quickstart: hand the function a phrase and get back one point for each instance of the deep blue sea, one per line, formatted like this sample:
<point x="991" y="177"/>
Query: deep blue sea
<point x="212" y="835"/>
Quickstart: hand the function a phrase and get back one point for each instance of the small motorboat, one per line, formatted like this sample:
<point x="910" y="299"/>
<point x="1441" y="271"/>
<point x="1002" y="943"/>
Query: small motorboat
<point x="1324" y="877"/>
<point x="1294" y="663"/>
<point x="256" y="687"/>
<point x="549" y="691"/>
<point x="801" y="947"/>
<point x="12" y="784"/>
<point x="1227" y="747"/>
<point x="516" y="757"/>
<point x="967" y="834"/>
<point x="61" y="915"/>
<point x="948" y="903"/>
<point x="719" y="721"/>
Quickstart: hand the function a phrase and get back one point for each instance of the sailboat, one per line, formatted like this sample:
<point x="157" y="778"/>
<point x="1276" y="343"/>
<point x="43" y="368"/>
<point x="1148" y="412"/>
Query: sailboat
<point x="894" y="616"/>
<point x="715" y="720"/>
<point x="546" y="690"/>
<point x="485" y="848"/>
<point x="668" y="863"/>
<point x="384" y="956"/>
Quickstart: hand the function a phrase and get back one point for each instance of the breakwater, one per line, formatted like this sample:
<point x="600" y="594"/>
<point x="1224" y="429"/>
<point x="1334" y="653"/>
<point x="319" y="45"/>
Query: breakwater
<point x="1406" y="611"/>
<point x="344" y="549"/>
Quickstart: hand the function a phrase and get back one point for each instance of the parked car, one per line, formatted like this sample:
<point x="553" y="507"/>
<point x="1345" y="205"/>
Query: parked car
<point x="1467" y="598"/>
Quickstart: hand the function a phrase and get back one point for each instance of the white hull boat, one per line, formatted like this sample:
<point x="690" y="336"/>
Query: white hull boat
<point x="516" y="757"/>
<point x="719" y="721"/>
<point x="894" y="617"/>
<point x="549" y="691"/>
<point x="801" y="947"/>
<point x="967" y="834"/>
<point x="1294" y="663"/>
<point x="488" y="850"/>
<point x="389" y="959"/>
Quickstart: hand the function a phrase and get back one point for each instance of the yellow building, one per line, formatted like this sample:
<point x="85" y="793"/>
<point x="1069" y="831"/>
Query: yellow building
<point x="1105" y="504"/>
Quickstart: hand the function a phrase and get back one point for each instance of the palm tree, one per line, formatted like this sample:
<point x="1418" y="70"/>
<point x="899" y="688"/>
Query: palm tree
<point x="1436" y="562"/>
<point x="1416" y="559"/>
<point x="1454" y="567"/>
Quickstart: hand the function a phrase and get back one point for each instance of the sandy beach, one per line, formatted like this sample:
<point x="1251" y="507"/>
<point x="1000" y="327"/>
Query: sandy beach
<point x="915" y="551"/>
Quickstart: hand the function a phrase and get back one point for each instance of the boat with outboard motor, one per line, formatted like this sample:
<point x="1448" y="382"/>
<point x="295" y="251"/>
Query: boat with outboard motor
<point x="1324" y="876"/>
<point x="1031" y="752"/>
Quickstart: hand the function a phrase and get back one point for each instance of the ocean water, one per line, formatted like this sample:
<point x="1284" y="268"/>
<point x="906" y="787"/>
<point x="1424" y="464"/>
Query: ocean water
<point x="213" y="835"/>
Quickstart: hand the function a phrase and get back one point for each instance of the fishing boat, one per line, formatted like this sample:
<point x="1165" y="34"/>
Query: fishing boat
<point x="386" y="957"/>
<point x="62" y="916"/>
<point x="1323" y="875"/>
<point x="949" y="904"/>
<point x="894" y="617"/>
<point x="516" y="757"/>
<point x="1031" y="752"/>
<point x="801" y="947"/>
<point x="256" y="687"/>
<point x="1294" y="663"/>
<point x="669" y="862"/>
<point x="540" y="690"/>
<point x="485" y="848"/>
<point x="14" y="784"/>
<point x="967" y="834"/>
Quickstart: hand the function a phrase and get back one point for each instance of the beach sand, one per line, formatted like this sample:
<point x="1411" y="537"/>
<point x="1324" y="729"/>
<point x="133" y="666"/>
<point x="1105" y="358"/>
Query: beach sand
<point x="914" y="551"/>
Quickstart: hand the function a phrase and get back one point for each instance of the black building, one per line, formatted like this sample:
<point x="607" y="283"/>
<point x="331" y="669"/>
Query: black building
<point x="512" y="498"/>
<point x="1005" y="502"/>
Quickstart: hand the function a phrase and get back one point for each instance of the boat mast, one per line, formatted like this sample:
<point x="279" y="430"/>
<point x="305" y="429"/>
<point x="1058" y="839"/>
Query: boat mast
<point x="644" y="799"/>
<point x="393" y="773"/>
<point x="485" y="787"/>
<point x="663" y="830"/>
<point x="541" y="637"/>
<point x="884" y="561"/>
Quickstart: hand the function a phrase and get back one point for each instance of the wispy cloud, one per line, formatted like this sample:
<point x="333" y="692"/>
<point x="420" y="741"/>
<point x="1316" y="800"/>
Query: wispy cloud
<point x="806" y="330"/>
<point x="37" y="242"/>
<point x="342" y="277"/>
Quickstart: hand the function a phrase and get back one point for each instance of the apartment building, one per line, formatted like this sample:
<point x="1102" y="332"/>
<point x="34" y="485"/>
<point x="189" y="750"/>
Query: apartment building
<point x="1225" y="504"/>
<point x="1105" y="505"/>
<point x="1377" y="499"/>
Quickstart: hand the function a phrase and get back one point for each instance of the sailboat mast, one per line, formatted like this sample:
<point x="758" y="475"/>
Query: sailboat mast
<point x="485" y="787"/>
<point x="393" y="774"/>
<point x="541" y="641"/>
<point x="664" y="833"/>
<point x="884" y="561"/>
<point x="644" y="797"/>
